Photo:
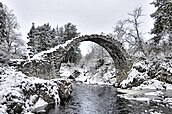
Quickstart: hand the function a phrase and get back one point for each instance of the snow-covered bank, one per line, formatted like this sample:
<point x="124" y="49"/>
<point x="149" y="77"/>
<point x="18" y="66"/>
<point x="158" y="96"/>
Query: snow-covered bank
<point x="155" y="73"/>
<point x="158" y="97"/>
<point x="22" y="94"/>
<point x="150" y="80"/>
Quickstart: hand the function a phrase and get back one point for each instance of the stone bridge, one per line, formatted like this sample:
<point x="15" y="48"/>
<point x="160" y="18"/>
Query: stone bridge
<point x="47" y="63"/>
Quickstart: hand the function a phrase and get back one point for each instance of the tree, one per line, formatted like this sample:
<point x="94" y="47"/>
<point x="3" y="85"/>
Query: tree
<point x="68" y="32"/>
<point x="10" y="37"/>
<point x="41" y="38"/>
<point x="127" y="31"/>
<point x="73" y="55"/>
<point x="60" y="34"/>
<point x="163" y="19"/>
<point x="96" y="55"/>
<point x="32" y="43"/>
<point x="2" y="22"/>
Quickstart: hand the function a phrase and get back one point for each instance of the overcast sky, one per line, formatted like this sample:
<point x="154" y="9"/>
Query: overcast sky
<point x="90" y="16"/>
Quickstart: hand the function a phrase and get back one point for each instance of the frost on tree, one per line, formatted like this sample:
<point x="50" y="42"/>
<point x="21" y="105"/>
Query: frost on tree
<point x="11" y="45"/>
<point x="44" y="37"/>
<point x="127" y="31"/>
<point x="41" y="38"/>
<point x="163" y="19"/>
<point x="2" y="22"/>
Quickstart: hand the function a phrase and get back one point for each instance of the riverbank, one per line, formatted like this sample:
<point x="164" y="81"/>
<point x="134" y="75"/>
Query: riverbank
<point x="158" y="96"/>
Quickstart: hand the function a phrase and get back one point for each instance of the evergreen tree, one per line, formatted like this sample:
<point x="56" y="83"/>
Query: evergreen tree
<point x="41" y="38"/>
<point x="60" y="34"/>
<point x="67" y="33"/>
<point x="163" y="19"/>
<point x="32" y="42"/>
<point x="2" y="22"/>
<point x="54" y="38"/>
<point x="70" y="31"/>
<point x="44" y="37"/>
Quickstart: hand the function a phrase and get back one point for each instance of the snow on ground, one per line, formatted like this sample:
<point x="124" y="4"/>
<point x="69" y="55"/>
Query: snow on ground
<point x="158" y="97"/>
<point x="105" y="74"/>
<point x="66" y="70"/>
<point x="149" y="80"/>
<point x="150" y="89"/>
<point x="152" y="74"/>
<point x="17" y="88"/>
<point x="153" y="84"/>
<point x="134" y="74"/>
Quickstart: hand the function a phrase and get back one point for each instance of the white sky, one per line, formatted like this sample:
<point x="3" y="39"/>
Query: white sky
<point x="90" y="16"/>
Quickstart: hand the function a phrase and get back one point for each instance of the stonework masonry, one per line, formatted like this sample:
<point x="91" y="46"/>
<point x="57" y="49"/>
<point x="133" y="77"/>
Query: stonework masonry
<point x="49" y="66"/>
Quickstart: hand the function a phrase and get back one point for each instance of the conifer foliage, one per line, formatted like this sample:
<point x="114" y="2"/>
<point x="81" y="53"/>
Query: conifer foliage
<point x="2" y="22"/>
<point x="41" y="38"/>
<point x="163" y="19"/>
<point x="44" y="37"/>
<point x="74" y="54"/>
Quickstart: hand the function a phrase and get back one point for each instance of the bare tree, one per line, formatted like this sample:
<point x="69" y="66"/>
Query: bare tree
<point x="12" y="41"/>
<point x="127" y="31"/>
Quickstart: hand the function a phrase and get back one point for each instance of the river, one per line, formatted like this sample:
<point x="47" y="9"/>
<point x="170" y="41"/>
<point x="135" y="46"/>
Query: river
<point x="103" y="99"/>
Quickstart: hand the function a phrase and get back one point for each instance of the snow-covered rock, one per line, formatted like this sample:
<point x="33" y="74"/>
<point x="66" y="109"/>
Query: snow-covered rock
<point x="155" y="73"/>
<point x="135" y="76"/>
<point x="19" y="93"/>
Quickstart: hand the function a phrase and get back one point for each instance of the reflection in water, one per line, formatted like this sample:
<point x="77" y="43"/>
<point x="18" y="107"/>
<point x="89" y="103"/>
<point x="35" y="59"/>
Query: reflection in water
<point x="96" y="99"/>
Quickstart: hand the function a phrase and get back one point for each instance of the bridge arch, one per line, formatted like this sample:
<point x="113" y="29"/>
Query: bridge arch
<point x="113" y="47"/>
<point x="48" y="63"/>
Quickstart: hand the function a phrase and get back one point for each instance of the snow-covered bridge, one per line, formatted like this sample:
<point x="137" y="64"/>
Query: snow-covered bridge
<point x="47" y="63"/>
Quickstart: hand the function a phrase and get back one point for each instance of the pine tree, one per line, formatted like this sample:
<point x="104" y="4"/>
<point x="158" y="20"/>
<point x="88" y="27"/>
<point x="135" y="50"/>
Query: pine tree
<point x="41" y="38"/>
<point x="32" y="43"/>
<point x="54" y="38"/>
<point x="163" y="19"/>
<point x="44" y="37"/>
<point x="2" y="22"/>
<point x="70" y="31"/>
<point x="67" y="33"/>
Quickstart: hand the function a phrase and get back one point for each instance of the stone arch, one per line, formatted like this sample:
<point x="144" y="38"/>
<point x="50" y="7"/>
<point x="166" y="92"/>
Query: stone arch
<point x="48" y="63"/>
<point x="113" y="47"/>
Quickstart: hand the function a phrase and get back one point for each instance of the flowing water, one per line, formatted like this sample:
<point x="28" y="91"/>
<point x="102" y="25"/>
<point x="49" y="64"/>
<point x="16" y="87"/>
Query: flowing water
<point x="103" y="99"/>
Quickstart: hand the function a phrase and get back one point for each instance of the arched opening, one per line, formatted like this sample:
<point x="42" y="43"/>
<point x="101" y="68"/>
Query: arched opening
<point x="96" y="66"/>
<point x="112" y="47"/>
<point x="39" y="64"/>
